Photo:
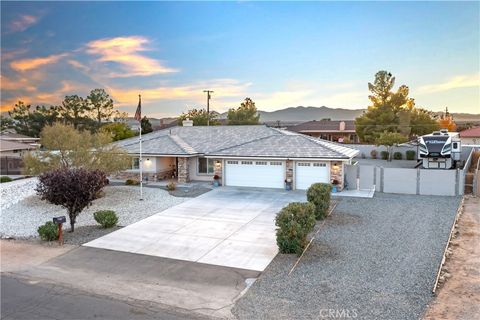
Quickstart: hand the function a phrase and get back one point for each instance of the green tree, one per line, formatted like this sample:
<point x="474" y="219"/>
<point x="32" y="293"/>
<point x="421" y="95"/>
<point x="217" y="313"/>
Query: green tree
<point x="74" y="111"/>
<point x="21" y="118"/>
<point x="389" y="140"/>
<point x="146" y="125"/>
<point x="199" y="117"/>
<point x="391" y="111"/>
<point x="5" y="123"/>
<point x="66" y="147"/>
<point x="118" y="130"/>
<point x="100" y="105"/>
<point x="245" y="114"/>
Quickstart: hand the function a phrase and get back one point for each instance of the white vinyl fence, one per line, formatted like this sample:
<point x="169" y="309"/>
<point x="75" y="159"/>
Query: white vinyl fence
<point x="407" y="180"/>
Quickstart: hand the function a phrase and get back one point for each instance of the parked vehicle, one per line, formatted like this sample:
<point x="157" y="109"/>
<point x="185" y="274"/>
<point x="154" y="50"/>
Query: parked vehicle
<point x="440" y="149"/>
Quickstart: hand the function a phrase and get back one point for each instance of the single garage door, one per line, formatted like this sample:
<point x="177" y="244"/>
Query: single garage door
<point x="308" y="173"/>
<point x="255" y="173"/>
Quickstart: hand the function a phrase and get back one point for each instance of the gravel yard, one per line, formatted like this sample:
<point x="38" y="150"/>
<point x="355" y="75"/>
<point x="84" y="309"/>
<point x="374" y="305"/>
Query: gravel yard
<point x="15" y="191"/>
<point x="373" y="259"/>
<point x="22" y="218"/>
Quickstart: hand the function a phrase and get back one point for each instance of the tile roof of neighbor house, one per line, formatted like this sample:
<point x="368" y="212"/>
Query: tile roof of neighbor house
<point x="7" y="145"/>
<point x="241" y="141"/>
<point x="470" y="133"/>
<point x="324" y="126"/>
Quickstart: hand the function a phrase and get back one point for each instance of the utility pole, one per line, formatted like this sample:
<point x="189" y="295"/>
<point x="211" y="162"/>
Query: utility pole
<point x="208" y="105"/>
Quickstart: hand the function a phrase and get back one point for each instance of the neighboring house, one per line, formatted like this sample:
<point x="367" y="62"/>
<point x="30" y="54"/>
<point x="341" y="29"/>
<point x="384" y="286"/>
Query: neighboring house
<point x="332" y="130"/>
<point x="20" y="138"/>
<point x="11" y="156"/>
<point x="249" y="156"/>
<point x="470" y="136"/>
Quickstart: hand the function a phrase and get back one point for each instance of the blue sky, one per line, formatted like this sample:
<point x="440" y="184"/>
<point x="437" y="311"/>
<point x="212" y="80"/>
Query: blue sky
<point x="281" y="54"/>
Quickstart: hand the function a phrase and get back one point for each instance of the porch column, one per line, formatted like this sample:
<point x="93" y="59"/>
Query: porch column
<point x="336" y="173"/>
<point x="217" y="169"/>
<point x="183" y="176"/>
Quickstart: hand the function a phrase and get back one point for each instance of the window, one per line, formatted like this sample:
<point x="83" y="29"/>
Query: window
<point x="232" y="162"/>
<point x="261" y="163"/>
<point x="319" y="164"/>
<point x="135" y="163"/>
<point x="304" y="164"/>
<point x="247" y="162"/>
<point x="275" y="163"/>
<point x="206" y="166"/>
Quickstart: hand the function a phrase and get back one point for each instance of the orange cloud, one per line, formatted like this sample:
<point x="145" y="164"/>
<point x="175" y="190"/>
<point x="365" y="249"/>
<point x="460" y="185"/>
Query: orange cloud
<point x="126" y="52"/>
<point x="29" y="64"/>
<point x="23" y="23"/>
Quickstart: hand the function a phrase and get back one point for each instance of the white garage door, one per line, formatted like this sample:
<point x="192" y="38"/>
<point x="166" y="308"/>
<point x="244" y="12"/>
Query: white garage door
<point x="308" y="173"/>
<point x="255" y="173"/>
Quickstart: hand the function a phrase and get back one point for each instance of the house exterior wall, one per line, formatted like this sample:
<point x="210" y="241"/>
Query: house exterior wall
<point x="193" y="171"/>
<point x="336" y="173"/>
<point x="183" y="170"/>
<point x="470" y="140"/>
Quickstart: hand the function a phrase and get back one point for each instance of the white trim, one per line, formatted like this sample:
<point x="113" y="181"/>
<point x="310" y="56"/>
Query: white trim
<point x="278" y="158"/>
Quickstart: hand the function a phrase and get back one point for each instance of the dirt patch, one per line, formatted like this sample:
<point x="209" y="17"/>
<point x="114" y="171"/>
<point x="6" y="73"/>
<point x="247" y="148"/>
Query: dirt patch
<point x="342" y="218"/>
<point x="21" y="254"/>
<point x="459" y="294"/>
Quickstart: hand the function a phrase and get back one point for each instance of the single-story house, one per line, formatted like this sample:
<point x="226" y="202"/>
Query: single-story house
<point x="249" y="156"/>
<point x="19" y="138"/>
<point x="470" y="136"/>
<point x="11" y="153"/>
<point x="342" y="131"/>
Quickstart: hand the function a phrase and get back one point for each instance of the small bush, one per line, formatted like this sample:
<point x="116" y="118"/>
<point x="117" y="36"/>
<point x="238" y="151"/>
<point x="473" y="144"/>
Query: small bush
<point x="48" y="231"/>
<point x="397" y="156"/>
<point x="319" y="195"/>
<point x="106" y="218"/>
<point x="171" y="186"/>
<point x="132" y="182"/>
<point x="5" y="179"/>
<point x="373" y="154"/>
<point x="384" y="155"/>
<point x="294" y="222"/>
<point x="410" y="155"/>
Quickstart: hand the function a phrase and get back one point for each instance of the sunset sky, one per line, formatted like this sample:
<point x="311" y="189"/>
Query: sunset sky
<point x="279" y="54"/>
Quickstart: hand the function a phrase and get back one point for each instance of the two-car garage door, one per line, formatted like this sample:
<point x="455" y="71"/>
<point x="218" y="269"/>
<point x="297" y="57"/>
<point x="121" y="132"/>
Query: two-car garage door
<point x="255" y="173"/>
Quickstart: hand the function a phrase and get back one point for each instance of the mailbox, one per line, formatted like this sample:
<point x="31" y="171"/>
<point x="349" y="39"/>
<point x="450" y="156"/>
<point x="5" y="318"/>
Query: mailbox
<point x="59" y="220"/>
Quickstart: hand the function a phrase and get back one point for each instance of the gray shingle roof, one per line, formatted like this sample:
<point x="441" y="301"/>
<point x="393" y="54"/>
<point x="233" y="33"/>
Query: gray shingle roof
<point x="241" y="141"/>
<point x="288" y="146"/>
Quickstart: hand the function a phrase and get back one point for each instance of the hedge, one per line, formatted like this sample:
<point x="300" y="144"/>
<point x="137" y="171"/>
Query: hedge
<point x="319" y="195"/>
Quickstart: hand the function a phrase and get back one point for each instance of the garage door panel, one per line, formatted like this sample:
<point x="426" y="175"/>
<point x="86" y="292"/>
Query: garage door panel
<point x="307" y="173"/>
<point x="255" y="173"/>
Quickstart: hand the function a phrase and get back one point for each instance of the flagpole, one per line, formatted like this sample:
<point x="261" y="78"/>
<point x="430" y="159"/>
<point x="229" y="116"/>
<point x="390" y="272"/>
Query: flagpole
<point x="141" y="159"/>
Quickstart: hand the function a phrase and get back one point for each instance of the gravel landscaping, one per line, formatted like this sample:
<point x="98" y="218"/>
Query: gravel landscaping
<point x="22" y="218"/>
<point x="15" y="191"/>
<point x="373" y="259"/>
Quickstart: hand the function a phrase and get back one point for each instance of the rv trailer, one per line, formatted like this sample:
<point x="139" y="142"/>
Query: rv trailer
<point x="440" y="149"/>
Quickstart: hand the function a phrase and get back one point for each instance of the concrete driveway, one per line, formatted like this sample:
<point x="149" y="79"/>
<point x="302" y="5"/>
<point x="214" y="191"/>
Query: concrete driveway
<point x="232" y="227"/>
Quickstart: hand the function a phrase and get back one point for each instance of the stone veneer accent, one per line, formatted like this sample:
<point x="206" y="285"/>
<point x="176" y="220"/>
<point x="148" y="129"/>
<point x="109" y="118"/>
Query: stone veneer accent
<point x="183" y="176"/>
<point x="337" y="175"/>
<point x="289" y="171"/>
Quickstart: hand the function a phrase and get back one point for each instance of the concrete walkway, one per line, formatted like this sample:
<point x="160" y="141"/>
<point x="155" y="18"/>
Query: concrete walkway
<point x="232" y="227"/>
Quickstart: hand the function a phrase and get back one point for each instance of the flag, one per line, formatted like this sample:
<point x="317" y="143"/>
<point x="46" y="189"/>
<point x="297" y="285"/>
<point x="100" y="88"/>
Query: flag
<point x="138" y="113"/>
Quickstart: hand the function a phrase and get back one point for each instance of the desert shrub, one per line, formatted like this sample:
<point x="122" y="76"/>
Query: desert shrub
<point x="294" y="222"/>
<point x="397" y="156"/>
<point x="5" y="179"/>
<point x="384" y="155"/>
<point x="48" y="231"/>
<point x="106" y="218"/>
<point x="132" y="182"/>
<point x="73" y="189"/>
<point x="410" y="155"/>
<point x="171" y="186"/>
<point x="373" y="154"/>
<point x="319" y="195"/>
